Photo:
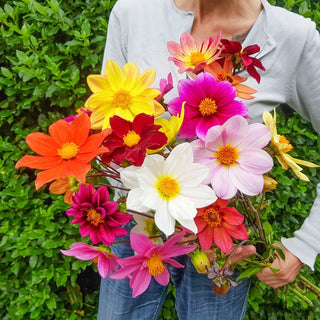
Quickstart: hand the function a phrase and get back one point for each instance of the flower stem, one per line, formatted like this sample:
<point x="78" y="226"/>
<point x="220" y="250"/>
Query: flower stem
<point x="296" y="290"/>
<point x="310" y="285"/>
<point x="140" y="213"/>
<point x="258" y="221"/>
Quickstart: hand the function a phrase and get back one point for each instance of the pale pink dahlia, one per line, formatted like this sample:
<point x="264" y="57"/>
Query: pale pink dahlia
<point x="150" y="261"/>
<point x="97" y="216"/>
<point x="234" y="154"/>
<point x="105" y="260"/>
<point x="208" y="103"/>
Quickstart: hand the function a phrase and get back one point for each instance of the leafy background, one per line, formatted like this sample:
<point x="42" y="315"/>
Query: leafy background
<point x="47" y="49"/>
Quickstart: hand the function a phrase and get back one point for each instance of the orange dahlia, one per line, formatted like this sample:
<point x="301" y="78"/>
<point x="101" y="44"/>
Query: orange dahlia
<point x="66" y="152"/>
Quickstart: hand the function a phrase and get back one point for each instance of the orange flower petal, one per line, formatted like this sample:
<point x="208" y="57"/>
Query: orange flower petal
<point x="35" y="162"/>
<point x="80" y="128"/>
<point x="94" y="141"/>
<point x="42" y="144"/>
<point x="64" y="169"/>
<point x="60" y="131"/>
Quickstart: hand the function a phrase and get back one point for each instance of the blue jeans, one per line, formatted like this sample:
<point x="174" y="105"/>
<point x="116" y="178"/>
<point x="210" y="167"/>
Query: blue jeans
<point x="194" y="296"/>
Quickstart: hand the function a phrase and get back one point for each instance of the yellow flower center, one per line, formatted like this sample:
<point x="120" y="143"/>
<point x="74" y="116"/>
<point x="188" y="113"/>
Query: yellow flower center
<point x="207" y="107"/>
<point x="212" y="217"/>
<point x="286" y="146"/>
<point x="227" y="155"/>
<point x="131" y="139"/>
<point x="94" y="217"/>
<point x="197" y="58"/>
<point x="155" y="265"/>
<point x="121" y="99"/>
<point x="168" y="187"/>
<point x="225" y="77"/>
<point x="68" y="150"/>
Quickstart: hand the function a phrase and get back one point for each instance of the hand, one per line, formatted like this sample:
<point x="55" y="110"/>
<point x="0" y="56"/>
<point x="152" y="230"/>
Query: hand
<point x="288" y="270"/>
<point x="243" y="253"/>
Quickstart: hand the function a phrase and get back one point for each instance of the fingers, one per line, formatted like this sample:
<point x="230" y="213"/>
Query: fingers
<point x="288" y="269"/>
<point x="243" y="253"/>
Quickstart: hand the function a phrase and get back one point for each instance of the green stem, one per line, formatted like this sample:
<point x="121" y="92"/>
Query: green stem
<point x="258" y="221"/>
<point x="299" y="294"/>
<point x="309" y="284"/>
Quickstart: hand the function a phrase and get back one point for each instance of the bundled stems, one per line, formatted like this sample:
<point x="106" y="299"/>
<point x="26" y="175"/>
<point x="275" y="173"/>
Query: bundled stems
<point x="256" y="214"/>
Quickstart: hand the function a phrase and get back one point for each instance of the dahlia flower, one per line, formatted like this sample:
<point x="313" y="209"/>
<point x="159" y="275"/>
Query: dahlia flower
<point x="281" y="146"/>
<point x="124" y="93"/>
<point x="189" y="56"/>
<point x="97" y="216"/>
<point x="207" y="103"/>
<point x="234" y="154"/>
<point x="130" y="140"/>
<point x="67" y="152"/>
<point x="150" y="261"/>
<point x="171" y="187"/>
<point x="241" y="57"/>
<point x="225" y="73"/>
<point x="106" y="261"/>
<point x="217" y="223"/>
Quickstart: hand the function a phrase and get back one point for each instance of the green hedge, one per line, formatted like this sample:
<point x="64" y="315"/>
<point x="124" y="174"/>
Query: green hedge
<point x="47" y="49"/>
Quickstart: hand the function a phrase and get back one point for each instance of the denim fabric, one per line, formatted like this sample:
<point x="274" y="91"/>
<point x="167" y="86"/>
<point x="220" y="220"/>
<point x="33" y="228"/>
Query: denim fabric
<point x="194" y="296"/>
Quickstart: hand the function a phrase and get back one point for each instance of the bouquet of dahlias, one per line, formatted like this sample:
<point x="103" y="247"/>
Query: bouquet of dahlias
<point x="199" y="178"/>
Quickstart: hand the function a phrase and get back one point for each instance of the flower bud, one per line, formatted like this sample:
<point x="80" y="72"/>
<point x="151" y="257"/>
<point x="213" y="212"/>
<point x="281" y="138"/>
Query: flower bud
<point x="269" y="183"/>
<point x="221" y="287"/>
<point x="200" y="261"/>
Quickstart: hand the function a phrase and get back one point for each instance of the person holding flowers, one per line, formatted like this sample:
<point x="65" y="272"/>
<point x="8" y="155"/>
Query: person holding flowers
<point x="168" y="183"/>
<point x="276" y="53"/>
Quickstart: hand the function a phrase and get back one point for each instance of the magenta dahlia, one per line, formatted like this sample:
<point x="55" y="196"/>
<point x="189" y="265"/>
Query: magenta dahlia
<point x="207" y="103"/>
<point x="97" y="216"/>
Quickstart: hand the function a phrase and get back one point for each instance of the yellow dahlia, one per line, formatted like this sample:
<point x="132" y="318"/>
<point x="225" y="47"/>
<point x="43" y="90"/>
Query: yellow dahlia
<point x="124" y="93"/>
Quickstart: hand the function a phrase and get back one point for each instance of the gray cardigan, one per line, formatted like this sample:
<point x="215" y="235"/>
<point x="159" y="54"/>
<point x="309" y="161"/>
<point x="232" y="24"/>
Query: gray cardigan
<point x="290" y="44"/>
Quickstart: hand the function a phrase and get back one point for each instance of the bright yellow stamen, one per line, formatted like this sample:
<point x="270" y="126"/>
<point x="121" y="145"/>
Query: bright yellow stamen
<point x="155" y="265"/>
<point x="284" y="140"/>
<point x="122" y="99"/>
<point x="227" y="155"/>
<point x="225" y="77"/>
<point x="212" y="217"/>
<point x="207" y="107"/>
<point x="131" y="139"/>
<point x="94" y="217"/>
<point x="68" y="151"/>
<point x="197" y="58"/>
<point x="167" y="187"/>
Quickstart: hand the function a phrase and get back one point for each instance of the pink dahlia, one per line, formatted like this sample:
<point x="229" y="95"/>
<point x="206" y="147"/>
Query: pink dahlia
<point x="217" y="223"/>
<point x="101" y="255"/>
<point x="235" y="156"/>
<point x="150" y="261"/>
<point x="208" y="103"/>
<point x="97" y="216"/>
<point x="190" y="56"/>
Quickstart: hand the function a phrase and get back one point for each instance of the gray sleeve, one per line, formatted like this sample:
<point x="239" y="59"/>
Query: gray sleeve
<point x="303" y="94"/>
<point x="304" y="97"/>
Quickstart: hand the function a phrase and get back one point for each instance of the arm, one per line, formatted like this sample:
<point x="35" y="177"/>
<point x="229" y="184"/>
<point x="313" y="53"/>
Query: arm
<point x="303" y="95"/>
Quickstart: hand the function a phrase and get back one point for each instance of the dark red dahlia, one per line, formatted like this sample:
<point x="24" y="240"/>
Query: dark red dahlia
<point x="130" y="140"/>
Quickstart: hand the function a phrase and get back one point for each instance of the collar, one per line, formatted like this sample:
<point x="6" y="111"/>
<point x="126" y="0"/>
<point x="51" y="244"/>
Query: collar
<point x="259" y="33"/>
